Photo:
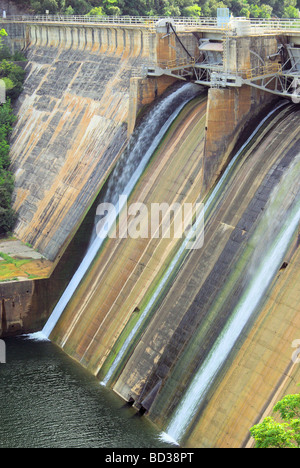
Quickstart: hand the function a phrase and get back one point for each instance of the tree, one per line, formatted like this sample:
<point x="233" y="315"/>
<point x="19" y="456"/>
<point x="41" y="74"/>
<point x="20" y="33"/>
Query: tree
<point x="262" y="11"/>
<point x="96" y="11"/>
<point x="284" y="434"/>
<point x="291" y="12"/>
<point x="254" y="8"/>
<point x="69" y="11"/>
<point x="12" y="76"/>
<point x="193" y="11"/>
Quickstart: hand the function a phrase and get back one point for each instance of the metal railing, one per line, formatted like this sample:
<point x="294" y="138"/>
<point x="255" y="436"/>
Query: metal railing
<point x="179" y="62"/>
<point x="261" y="71"/>
<point x="272" y="24"/>
<point x="115" y="20"/>
<point x="279" y="24"/>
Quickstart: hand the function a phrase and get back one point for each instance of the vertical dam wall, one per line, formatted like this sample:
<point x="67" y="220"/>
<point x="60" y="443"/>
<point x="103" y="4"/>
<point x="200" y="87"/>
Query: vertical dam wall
<point x="199" y="340"/>
<point x="75" y="115"/>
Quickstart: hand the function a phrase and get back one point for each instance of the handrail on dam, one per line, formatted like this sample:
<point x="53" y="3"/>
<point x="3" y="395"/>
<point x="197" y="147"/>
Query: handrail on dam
<point x="259" y="24"/>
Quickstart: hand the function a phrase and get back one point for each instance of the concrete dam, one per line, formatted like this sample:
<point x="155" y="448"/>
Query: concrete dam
<point x="198" y="338"/>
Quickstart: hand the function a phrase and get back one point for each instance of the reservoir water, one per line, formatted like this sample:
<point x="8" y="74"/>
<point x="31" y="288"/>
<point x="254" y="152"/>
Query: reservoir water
<point x="50" y="401"/>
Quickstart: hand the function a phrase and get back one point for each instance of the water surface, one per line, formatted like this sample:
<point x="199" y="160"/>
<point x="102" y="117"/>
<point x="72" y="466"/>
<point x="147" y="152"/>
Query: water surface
<point x="50" y="401"/>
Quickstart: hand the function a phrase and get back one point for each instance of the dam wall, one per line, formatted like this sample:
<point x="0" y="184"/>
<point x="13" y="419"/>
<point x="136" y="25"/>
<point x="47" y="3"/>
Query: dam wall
<point x="143" y="328"/>
<point x="178" y="340"/>
<point x="125" y="272"/>
<point x="231" y="110"/>
<point x="85" y="87"/>
<point x="73" y="121"/>
<point x="262" y="370"/>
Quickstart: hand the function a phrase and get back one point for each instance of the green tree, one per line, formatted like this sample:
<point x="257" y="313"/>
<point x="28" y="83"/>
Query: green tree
<point x="210" y="7"/>
<point x="254" y="8"/>
<point x="262" y="11"/>
<point x="12" y="76"/>
<point x="193" y="11"/>
<point x="280" y="434"/>
<point x="7" y="214"/>
<point x="15" y="77"/>
<point x="69" y="11"/>
<point x="96" y="11"/>
<point x="291" y="12"/>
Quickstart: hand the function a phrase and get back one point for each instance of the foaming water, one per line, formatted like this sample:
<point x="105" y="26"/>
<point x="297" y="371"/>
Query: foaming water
<point x="164" y="437"/>
<point x="37" y="336"/>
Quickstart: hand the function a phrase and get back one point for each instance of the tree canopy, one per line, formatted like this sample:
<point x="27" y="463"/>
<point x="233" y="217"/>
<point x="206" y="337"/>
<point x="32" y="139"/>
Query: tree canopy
<point x="248" y="8"/>
<point x="11" y="85"/>
<point x="284" y="433"/>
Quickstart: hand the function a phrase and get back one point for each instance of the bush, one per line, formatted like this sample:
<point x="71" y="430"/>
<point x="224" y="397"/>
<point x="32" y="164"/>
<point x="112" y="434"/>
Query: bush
<point x="15" y="74"/>
<point x="12" y="77"/>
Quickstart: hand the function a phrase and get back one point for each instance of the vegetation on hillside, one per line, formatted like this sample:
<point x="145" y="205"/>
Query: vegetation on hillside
<point x="11" y="82"/>
<point x="282" y="430"/>
<point x="248" y="8"/>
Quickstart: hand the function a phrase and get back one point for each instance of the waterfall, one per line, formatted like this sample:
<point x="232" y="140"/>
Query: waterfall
<point x="123" y="180"/>
<point x="178" y="257"/>
<point x="284" y="206"/>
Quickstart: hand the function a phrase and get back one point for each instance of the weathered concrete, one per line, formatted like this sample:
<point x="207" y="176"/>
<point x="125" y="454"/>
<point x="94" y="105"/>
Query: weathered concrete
<point x="194" y="310"/>
<point x="262" y="371"/>
<point x="29" y="291"/>
<point x="126" y="270"/>
<point x="231" y="110"/>
<point x="17" y="314"/>
<point x="83" y="92"/>
<point x="77" y="94"/>
<point x="81" y="89"/>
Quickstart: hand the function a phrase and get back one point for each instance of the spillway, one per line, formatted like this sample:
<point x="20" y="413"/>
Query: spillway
<point x="200" y="338"/>
<point x="204" y="294"/>
<point x="263" y="271"/>
<point x="139" y="266"/>
<point x="123" y="180"/>
<point x="161" y="324"/>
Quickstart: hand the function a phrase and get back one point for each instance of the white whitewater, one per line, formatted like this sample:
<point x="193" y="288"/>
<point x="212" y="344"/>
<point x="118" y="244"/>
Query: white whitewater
<point x="178" y="257"/>
<point x="268" y="261"/>
<point x="122" y="182"/>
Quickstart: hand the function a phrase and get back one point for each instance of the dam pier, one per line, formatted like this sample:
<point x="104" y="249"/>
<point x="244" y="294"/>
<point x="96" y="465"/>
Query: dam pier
<point x="172" y="112"/>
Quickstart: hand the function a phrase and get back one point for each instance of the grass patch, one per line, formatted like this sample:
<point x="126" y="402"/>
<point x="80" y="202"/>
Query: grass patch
<point x="11" y="268"/>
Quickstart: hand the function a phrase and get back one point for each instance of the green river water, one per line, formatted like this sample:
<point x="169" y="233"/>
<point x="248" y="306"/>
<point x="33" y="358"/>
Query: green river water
<point x="49" y="401"/>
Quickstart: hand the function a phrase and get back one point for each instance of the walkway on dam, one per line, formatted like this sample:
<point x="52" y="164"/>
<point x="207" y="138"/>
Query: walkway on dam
<point x="259" y="26"/>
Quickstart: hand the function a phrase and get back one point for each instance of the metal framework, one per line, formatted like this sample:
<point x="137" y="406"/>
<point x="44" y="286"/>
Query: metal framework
<point x="212" y="68"/>
<point x="283" y="81"/>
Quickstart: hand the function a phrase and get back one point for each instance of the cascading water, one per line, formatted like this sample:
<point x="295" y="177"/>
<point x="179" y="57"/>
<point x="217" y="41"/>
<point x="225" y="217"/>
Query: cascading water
<point x="284" y="207"/>
<point x="177" y="260"/>
<point x="123" y="180"/>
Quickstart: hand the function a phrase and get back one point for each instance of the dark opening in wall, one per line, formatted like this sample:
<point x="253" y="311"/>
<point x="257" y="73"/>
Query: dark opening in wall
<point x="284" y="266"/>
